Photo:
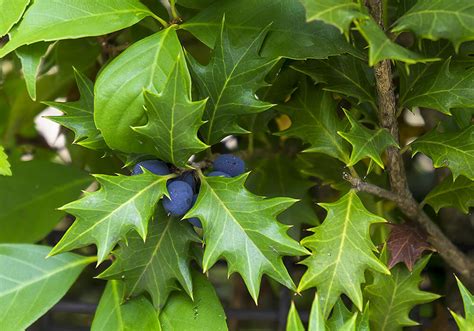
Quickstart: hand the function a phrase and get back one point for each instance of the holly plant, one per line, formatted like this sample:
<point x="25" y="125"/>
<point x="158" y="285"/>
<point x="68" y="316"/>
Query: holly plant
<point x="322" y="148"/>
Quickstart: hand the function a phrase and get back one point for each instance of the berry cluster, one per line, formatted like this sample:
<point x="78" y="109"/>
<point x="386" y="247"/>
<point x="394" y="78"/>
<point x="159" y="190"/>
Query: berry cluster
<point x="183" y="190"/>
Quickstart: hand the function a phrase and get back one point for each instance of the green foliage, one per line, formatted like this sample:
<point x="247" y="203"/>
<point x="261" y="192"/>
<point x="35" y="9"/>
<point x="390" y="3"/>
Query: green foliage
<point x="115" y="314"/>
<point x="79" y="115"/>
<point x="26" y="274"/>
<point x="392" y="296"/>
<point x="435" y="19"/>
<point x="314" y="120"/>
<point x="366" y="142"/>
<point x="158" y="264"/>
<point x="449" y="193"/>
<point x="106" y="216"/>
<point x="231" y="217"/>
<point x="204" y="313"/>
<point x="341" y="252"/>
<point x="454" y="150"/>
<point x="4" y="164"/>
<point x="73" y="19"/>
<point x="230" y="80"/>
<point x="306" y="88"/>
<point x="168" y="113"/>
<point x="119" y="97"/>
<point x="22" y="202"/>
<point x="442" y="87"/>
<point x="12" y="12"/>
<point x="467" y="322"/>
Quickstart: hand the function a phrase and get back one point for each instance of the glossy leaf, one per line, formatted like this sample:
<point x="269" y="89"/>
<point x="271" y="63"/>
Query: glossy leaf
<point x="174" y="119"/>
<point x="344" y="74"/>
<point x="454" y="150"/>
<point x="104" y="217"/>
<point x="314" y="120"/>
<point x="279" y="176"/>
<point x="10" y="13"/>
<point x="465" y="323"/>
<point x="392" y="297"/>
<point x="31" y="56"/>
<point x="119" y="88"/>
<point x="290" y="35"/>
<point x="79" y="115"/>
<point x="339" y="13"/>
<point x="293" y="321"/>
<point x="366" y="142"/>
<point x="47" y="20"/>
<point x="382" y="48"/>
<point x="115" y="314"/>
<point x="342" y="319"/>
<point x="341" y="252"/>
<point x="406" y="244"/>
<point x="31" y="284"/>
<point x="30" y="198"/>
<point x="4" y="164"/>
<point x="230" y="80"/>
<point x="316" y="317"/>
<point x="204" y="313"/>
<point x="442" y="87"/>
<point x="458" y="194"/>
<point x="157" y="265"/>
<point x="241" y="227"/>
<point x="435" y="19"/>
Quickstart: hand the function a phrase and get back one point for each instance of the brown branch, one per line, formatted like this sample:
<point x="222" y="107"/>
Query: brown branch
<point x="400" y="192"/>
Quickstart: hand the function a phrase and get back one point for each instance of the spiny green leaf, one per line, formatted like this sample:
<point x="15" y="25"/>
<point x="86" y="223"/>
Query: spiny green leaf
<point x="31" y="285"/>
<point x="442" y="87"/>
<point x="113" y="314"/>
<point x="79" y="115"/>
<point x="241" y="227"/>
<point x="341" y="252"/>
<point x="342" y="319"/>
<point x="30" y="57"/>
<point x="314" y="120"/>
<point x="4" y="164"/>
<point x="316" y="317"/>
<point x="458" y="194"/>
<point x="230" y="80"/>
<point x="107" y="215"/>
<point x="454" y="150"/>
<point x="204" y="313"/>
<point x="47" y="20"/>
<point x="344" y="74"/>
<point x="119" y="89"/>
<point x="279" y="175"/>
<point x="366" y="142"/>
<point x="393" y="296"/>
<point x="382" y="48"/>
<point x="293" y="321"/>
<point x="157" y="265"/>
<point x="290" y="35"/>
<point x="339" y="13"/>
<point x="173" y="119"/>
<point x="466" y="323"/>
<point x="435" y="19"/>
<point x="11" y="12"/>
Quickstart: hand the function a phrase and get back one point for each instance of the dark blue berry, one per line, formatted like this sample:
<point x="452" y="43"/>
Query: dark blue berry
<point x="181" y="198"/>
<point x="195" y="222"/>
<point x="230" y="164"/>
<point x="155" y="166"/>
<point x="218" y="174"/>
<point x="187" y="177"/>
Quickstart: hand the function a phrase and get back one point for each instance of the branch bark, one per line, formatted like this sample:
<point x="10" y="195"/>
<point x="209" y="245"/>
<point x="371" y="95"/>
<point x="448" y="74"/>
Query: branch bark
<point x="400" y="193"/>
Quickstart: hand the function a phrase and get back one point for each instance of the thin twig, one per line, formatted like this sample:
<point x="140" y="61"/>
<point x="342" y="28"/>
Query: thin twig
<point x="400" y="192"/>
